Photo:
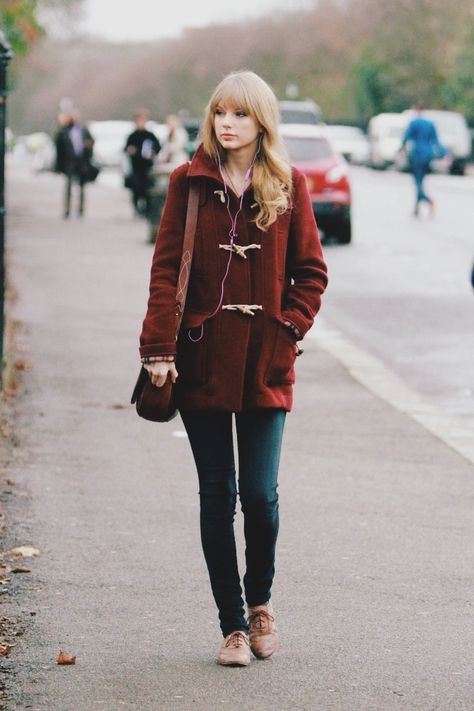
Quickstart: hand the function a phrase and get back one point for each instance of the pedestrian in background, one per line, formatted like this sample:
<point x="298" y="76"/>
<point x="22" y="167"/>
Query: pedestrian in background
<point x="74" y="150"/>
<point x="424" y="146"/>
<point x="255" y="287"/>
<point x="174" y="150"/>
<point x="172" y="154"/>
<point x="142" y="147"/>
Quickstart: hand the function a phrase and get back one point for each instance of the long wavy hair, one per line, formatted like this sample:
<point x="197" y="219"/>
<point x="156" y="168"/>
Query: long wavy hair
<point x="271" y="177"/>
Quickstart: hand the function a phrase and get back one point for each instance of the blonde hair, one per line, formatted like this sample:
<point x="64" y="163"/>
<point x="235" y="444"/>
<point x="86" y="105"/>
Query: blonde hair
<point x="271" y="177"/>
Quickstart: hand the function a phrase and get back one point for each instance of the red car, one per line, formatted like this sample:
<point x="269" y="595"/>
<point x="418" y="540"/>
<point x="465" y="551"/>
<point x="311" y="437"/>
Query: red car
<point x="327" y="177"/>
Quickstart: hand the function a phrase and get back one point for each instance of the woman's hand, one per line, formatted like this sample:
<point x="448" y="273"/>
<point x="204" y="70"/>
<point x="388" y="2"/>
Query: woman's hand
<point x="158" y="372"/>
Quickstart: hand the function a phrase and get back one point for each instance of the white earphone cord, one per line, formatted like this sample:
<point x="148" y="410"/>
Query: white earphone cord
<point x="232" y="232"/>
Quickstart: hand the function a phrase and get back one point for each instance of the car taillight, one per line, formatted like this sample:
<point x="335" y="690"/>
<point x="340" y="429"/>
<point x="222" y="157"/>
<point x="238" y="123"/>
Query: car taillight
<point x="335" y="174"/>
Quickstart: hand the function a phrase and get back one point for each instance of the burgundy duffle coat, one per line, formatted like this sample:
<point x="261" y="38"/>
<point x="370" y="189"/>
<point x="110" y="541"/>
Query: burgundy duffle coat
<point x="233" y="360"/>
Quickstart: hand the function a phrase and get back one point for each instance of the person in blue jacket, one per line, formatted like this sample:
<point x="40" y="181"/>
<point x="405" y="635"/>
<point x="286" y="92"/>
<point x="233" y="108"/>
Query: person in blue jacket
<point x="424" y="145"/>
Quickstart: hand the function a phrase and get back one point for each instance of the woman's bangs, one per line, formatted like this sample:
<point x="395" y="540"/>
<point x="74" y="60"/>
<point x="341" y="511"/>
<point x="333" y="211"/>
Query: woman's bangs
<point x="236" y="95"/>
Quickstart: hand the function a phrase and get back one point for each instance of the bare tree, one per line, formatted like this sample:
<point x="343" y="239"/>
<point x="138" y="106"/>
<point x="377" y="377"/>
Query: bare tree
<point x="353" y="57"/>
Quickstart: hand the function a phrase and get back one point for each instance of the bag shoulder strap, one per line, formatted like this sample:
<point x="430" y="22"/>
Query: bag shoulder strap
<point x="187" y="255"/>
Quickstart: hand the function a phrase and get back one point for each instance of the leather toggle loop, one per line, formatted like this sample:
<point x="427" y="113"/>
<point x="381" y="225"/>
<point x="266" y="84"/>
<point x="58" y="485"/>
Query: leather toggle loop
<point x="240" y="249"/>
<point x="246" y="309"/>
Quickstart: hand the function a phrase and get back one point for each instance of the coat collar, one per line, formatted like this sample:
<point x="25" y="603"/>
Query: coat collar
<point x="203" y="165"/>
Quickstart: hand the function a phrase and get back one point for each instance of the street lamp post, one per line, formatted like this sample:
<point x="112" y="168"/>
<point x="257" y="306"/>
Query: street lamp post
<point x="5" y="56"/>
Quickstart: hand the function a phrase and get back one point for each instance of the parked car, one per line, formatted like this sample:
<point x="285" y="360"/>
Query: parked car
<point x="454" y="135"/>
<point x="351" y="142"/>
<point x="37" y="149"/>
<point x="327" y="177"/>
<point x="300" y="112"/>
<point x="385" y="133"/>
<point x="109" y="141"/>
<point x="159" y="129"/>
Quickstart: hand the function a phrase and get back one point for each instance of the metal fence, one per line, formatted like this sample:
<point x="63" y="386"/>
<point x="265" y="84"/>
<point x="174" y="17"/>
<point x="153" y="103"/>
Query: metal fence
<point x="5" y="56"/>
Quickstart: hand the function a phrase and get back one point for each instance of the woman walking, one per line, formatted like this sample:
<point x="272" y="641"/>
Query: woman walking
<point x="255" y="287"/>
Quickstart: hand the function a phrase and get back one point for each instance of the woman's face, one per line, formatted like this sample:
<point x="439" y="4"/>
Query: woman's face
<point x="234" y="128"/>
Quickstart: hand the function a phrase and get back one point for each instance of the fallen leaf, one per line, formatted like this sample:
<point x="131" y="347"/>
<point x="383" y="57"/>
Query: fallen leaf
<point x="5" y="649"/>
<point x="65" y="658"/>
<point x="20" y="570"/>
<point x="25" y="551"/>
<point x="22" y="365"/>
<point x="10" y="389"/>
<point x="11" y="482"/>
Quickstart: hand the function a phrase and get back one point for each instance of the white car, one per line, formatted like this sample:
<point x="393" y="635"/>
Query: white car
<point x="109" y="141"/>
<point x="385" y="133"/>
<point x="306" y="111"/>
<point x="159" y="129"/>
<point x="37" y="149"/>
<point x="351" y="142"/>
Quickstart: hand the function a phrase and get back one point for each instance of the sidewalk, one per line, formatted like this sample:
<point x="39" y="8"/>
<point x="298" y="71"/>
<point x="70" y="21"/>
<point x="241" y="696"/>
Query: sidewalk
<point x="375" y="565"/>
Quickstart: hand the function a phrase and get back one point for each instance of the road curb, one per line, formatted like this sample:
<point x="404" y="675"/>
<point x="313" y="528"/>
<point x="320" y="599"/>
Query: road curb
<point x="373" y="374"/>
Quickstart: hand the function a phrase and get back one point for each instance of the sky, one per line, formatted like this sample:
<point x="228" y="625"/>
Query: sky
<point x="134" y="20"/>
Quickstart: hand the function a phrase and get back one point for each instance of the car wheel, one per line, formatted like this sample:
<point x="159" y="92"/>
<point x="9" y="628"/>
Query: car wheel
<point x="343" y="231"/>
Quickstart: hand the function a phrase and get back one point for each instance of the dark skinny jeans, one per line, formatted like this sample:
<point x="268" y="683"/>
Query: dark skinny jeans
<point x="259" y="436"/>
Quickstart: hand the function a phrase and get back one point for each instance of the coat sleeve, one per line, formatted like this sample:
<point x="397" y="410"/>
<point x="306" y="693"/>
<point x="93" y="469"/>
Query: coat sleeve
<point x="158" y="336"/>
<point x="156" y="145"/>
<point x="305" y="264"/>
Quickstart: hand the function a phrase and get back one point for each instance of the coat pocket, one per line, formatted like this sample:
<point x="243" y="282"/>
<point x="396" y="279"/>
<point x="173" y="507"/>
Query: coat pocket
<point x="280" y="370"/>
<point x="191" y="359"/>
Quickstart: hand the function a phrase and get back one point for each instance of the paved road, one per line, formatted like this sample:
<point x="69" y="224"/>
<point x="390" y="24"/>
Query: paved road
<point x="374" y="584"/>
<point x="402" y="291"/>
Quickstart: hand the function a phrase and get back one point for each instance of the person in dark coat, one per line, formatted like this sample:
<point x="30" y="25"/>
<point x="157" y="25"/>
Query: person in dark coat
<point x="142" y="147"/>
<point x="256" y="282"/>
<point x="422" y="137"/>
<point x="74" y="149"/>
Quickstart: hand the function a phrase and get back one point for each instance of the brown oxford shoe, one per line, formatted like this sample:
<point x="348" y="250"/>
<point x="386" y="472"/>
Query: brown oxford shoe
<point x="235" y="650"/>
<point x="263" y="631"/>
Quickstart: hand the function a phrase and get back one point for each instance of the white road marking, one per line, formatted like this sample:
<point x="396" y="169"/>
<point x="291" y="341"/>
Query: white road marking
<point x="373" y="374"/>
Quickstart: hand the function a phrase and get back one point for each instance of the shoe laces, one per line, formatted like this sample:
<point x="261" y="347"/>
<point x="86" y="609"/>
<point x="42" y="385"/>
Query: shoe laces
<point x="237" y="639"/>
<point x="260" y="619"/>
